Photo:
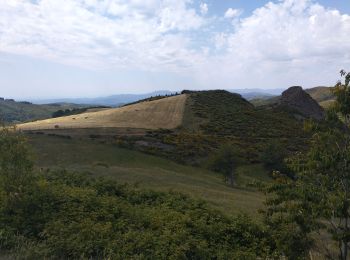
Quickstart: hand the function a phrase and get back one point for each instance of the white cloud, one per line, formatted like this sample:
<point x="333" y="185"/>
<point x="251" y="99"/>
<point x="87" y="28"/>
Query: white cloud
<point x="232" y="13"/>
<point x="282" y="43"/>
<point x="203" y="8"/>
<point x="97" y="34"/>
<point x="176" y="16"/>
<point x="220" y="40"/>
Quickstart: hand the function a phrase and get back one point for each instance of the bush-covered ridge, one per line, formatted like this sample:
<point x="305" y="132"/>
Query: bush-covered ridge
<point x="225" y="113"/>
<point x="217" y="117"/>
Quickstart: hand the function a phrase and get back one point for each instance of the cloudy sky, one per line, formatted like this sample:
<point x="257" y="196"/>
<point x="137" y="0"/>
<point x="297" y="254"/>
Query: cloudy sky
<point x="87" y="48"/>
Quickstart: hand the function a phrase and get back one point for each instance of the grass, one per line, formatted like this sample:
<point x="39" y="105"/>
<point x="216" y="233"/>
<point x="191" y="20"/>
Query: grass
<point x="164" y="113"/>
<point x="327" y="103"/>
<point x="150" y="172"/>
<point x="321" y="94"/>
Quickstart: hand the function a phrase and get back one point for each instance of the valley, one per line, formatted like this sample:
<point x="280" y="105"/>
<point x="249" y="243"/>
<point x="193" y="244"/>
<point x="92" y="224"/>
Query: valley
<point x="175" y="130"/>
<point x="164" y="144"/>
<point x="170" y="146"/>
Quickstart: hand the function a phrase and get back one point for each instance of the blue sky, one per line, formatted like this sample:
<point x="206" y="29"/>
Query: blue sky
<point x="89" y="48"/>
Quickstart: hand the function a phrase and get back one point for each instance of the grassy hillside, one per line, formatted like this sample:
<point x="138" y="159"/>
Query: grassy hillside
<point x="258" y="102"/>
<point x="163" y="113"/>
<point x="13" y="112"/>
<point x="322" y="95"/>
<point x="215" y="118"/>
<point x="151" y="172"/>
<point x="197" y="124"/>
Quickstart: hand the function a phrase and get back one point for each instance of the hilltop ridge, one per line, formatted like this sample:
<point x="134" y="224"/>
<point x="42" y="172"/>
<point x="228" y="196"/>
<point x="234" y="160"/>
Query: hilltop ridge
<point x="295" y="98"/>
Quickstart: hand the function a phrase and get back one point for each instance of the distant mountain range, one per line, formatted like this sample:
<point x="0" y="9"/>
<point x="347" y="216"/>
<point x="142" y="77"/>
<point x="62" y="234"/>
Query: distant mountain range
<point x="257" y="92"/>
<point x="114" y="100"/>
<point x="121" y="99"/>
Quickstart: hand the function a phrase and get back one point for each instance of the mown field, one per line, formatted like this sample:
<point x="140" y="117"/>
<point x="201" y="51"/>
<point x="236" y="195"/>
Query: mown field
<point x="150" y="172"/>
<point x="163" y="113"/>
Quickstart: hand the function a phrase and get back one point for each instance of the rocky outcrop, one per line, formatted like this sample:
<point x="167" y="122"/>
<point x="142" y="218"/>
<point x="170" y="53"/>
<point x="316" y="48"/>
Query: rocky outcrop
<point x="296" y="99"/>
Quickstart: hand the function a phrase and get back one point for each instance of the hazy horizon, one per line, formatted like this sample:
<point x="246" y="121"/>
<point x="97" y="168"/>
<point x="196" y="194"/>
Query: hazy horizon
<point x="274" y="91"/>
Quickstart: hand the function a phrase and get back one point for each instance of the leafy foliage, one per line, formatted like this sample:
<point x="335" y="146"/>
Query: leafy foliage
<point x="342" y="93"/>
<point x="15" y="161"/>
<point x="273" y="156"/>
<point x="318" y="200"/>
<point x="225" y="161"/>
<point x="65" y="215"/>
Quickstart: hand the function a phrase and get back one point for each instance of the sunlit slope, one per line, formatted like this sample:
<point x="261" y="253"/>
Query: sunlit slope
<point x="164" y="113"/>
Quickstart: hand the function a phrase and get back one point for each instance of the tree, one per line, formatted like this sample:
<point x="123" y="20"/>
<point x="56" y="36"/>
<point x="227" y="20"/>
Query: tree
<point x="15" y="161"/>
<point x="318" y="200"/>
<point x="226" y="161"/>
<point x="60" y="113"/>
<point x="342" y="93"/>
<point x="273" y="156"/>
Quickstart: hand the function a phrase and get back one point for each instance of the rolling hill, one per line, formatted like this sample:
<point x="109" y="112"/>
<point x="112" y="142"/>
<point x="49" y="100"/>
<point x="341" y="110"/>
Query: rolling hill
<point x="322" y="95"/>
<point x="182" y="129"/>
<point x="186" y="128"/>
<point x="164" y="113"/>
<point x="12" y="111"/>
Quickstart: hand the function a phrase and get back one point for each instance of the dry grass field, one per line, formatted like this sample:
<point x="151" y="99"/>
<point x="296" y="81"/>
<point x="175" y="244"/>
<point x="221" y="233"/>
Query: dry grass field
<point x="166" y="113"/>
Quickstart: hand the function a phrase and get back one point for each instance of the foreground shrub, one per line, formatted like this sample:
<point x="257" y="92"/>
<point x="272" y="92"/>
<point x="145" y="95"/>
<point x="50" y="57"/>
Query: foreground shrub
<point x="69" y="216"/>
<point x="65" y="215"/>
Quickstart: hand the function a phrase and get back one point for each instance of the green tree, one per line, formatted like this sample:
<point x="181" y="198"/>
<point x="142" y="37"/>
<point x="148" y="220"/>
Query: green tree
<point x="318" y="200"/>
<point x="16" y="166"/>
<point x="273" y="156"/>
<point x="342" y="94"/>
<point x="226" y="161"/>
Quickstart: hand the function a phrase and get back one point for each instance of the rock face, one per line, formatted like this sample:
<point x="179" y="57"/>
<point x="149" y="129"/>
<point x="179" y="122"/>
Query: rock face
<point x="296" y="99"/>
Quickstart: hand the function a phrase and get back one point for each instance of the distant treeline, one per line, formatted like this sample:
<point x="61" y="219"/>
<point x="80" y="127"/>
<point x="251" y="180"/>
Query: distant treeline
<point x="3" y="99"/>
<point x="74" y="111"/>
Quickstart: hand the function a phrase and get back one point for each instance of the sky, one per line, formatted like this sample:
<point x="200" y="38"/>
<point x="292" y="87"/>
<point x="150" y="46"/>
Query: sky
<point x="91" y="48"/>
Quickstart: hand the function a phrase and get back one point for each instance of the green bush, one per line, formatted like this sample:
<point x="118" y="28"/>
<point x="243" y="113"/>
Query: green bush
<point x="64" y="215"/>
<point x="70" y="216"/>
